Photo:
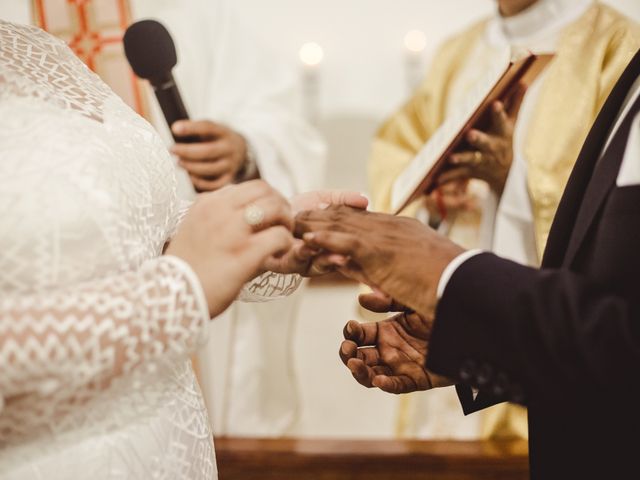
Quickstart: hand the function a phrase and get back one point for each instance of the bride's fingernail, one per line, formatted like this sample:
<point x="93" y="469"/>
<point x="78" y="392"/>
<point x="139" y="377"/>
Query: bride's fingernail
<point x="323" y="206"/>
<point x="340" y="261"/>
<point x="309" y="236"/>
<point x="177" y="127"/>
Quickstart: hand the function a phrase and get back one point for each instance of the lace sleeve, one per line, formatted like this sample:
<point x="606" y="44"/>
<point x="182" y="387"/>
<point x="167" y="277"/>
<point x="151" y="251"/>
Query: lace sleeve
<point x="84" y="336"/>
<point x="269" y="286"/>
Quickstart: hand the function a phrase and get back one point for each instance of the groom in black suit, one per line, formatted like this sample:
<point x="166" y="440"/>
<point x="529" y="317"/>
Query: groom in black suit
<point x="564" y="340"/>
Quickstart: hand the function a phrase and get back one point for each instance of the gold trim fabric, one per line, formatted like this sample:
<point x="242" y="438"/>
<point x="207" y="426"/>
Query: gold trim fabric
<point x="591" y="56"/>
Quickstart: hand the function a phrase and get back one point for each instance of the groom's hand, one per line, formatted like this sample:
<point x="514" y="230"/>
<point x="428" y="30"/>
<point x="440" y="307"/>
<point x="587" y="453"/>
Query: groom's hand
<point x="390" y="354"/>
<point x="303" y="259"/>
<point x="396" y="255"/>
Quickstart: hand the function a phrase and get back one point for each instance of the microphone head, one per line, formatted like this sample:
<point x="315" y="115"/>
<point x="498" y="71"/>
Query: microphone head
<point x="149" y="49"/>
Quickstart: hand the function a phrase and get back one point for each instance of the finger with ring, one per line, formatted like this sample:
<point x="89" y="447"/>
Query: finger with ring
<point x="267" y="212"/>
<point x="254" y="215"/>
<point x="321" y="265"/>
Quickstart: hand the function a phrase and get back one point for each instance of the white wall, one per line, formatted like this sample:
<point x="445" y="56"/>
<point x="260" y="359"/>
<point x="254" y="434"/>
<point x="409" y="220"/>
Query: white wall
<point x="363" y="40"/>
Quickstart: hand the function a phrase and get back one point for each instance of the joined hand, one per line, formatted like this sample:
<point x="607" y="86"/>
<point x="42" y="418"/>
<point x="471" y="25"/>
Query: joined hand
<point x="396" y="255"/>
<point x="303" y="259"/>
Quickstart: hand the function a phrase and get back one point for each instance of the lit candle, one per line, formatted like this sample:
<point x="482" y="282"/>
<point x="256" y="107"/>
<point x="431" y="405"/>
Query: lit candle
<point x="311" y="56"/>
<point x="415" y="41"/>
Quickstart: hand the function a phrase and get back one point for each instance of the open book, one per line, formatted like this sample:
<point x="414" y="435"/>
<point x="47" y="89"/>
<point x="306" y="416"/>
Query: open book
<point x="499" y="84"/>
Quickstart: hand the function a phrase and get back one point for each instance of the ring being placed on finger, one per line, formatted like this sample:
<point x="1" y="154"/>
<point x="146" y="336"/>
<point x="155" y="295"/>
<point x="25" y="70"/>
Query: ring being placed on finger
<point x="315" y="269"/>
<point x="253" y="215"/>
<point x="477" y="157"/>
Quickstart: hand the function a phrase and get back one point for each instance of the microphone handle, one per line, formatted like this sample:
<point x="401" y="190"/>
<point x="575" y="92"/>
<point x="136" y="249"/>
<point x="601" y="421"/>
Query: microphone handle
<point x="172" y="106"/>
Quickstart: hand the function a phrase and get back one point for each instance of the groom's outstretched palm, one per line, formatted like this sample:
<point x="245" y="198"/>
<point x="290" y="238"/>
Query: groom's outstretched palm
<point x="390" y="354"/>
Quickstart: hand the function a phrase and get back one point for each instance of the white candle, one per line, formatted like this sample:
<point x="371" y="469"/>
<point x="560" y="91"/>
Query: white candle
<point x="311" y="56"/>
<point x="415" y="42"/>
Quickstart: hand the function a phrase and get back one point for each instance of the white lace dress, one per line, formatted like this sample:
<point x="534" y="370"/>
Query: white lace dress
<point x="96" y="327"/>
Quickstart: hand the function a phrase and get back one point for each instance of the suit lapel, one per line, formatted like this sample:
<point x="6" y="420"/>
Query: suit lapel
<point x="566" y="233"/>
<point x="602" y="180"/>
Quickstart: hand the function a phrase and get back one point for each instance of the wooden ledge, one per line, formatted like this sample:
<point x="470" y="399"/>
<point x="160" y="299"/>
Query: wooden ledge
<point x="288" y="459"/>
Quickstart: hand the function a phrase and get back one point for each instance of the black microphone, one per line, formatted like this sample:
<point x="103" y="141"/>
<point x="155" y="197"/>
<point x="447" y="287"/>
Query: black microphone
<point x="152" y="55"/>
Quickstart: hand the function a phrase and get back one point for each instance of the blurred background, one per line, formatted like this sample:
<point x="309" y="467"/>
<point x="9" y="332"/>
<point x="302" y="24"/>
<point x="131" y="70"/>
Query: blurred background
<point x="355" y="62"/>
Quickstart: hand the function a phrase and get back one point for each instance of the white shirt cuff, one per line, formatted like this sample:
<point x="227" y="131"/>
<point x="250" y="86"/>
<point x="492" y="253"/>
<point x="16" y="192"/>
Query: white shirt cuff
<point x="475" y="392"/>
<point x="452" y="267"/>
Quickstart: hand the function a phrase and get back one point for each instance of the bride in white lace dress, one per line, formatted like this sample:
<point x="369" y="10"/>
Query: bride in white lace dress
<point x="96" y="324"/>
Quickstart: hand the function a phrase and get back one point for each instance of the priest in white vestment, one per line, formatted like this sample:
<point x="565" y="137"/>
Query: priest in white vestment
<point x="226" y="75"/>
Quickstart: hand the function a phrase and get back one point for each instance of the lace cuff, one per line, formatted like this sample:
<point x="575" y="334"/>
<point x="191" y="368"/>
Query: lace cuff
<point x="269" y="286"/>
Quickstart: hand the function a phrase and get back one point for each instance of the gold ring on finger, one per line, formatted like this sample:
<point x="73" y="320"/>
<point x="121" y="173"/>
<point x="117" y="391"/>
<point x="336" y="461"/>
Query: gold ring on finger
<point x="477" y="157"/>
<point x="319" y="270"/>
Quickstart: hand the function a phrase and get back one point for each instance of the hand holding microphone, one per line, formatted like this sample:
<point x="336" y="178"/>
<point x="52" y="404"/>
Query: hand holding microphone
<point x="213" y="154"/>
<point x="221" y="157"/>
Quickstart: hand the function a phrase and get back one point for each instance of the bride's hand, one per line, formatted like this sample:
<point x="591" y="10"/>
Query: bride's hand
<point x="299" y="257"/>
<point x="322" y="199"/>
<point x="221" y="246"/>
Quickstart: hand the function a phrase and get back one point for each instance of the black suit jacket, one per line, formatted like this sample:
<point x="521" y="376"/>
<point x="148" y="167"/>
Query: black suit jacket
<point x="564" y="340"/>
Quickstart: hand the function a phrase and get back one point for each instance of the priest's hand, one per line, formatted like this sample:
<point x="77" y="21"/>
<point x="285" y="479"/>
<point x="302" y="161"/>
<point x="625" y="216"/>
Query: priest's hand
<point x="390" y="354"/>
<point x="449" y="199"/>
<point x="397" y="255"/>
<point x="492" y="151"/>
<point x="302" y="259"/>
<point x="216" y="160"/>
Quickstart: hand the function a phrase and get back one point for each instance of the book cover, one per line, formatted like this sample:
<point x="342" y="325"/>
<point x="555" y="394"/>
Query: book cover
<point x="500" y="83"/>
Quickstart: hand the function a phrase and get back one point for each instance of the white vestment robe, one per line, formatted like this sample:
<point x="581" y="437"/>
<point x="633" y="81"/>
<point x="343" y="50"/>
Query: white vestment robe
<point x="225" y="74"/>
